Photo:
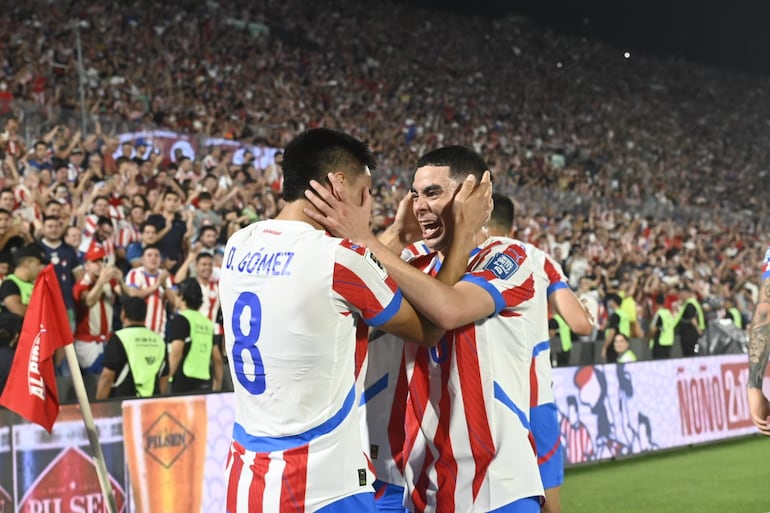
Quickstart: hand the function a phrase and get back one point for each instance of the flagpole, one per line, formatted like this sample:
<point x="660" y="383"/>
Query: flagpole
<point x="93" y="438"/>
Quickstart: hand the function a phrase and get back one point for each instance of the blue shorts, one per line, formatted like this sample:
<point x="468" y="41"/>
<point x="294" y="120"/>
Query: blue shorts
<point x="525" y="505"/>
<point x="544" y="424"/>
<point x="358" y="503"/>
<point x="392" y="498"/>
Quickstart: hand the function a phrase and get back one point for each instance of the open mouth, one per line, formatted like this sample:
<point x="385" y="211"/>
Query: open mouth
<point x="430" y="229"/>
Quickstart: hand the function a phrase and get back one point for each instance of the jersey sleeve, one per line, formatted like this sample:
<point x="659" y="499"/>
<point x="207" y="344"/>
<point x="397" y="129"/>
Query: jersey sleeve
<point x="556" y="277"/>
<point x="361" y="283"/>
<point x="506" y="273"/>
<point x="766" y="265"/>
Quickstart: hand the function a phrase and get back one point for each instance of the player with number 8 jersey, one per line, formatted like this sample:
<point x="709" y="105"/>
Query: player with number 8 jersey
<point x="297" y="305"/>
<point x="292" y="294"/>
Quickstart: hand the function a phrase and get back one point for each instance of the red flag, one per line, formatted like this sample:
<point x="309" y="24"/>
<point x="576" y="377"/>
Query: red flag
<point x="31" y="387"/>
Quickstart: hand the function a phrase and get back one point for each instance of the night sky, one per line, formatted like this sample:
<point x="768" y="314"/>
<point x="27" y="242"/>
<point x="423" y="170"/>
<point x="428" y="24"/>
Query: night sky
<point x="731" y="36"/>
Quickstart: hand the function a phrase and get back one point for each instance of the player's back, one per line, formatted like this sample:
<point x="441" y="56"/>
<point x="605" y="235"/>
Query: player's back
<point x="291" y="350"/>
<point x="290" y="338"/>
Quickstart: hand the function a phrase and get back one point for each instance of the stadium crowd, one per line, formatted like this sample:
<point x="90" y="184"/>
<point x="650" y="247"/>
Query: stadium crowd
<point x="638" y="174"/>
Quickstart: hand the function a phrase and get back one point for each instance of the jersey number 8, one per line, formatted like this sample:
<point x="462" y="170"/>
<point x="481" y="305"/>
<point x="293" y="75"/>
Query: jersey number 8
<point x="254" y="383"/>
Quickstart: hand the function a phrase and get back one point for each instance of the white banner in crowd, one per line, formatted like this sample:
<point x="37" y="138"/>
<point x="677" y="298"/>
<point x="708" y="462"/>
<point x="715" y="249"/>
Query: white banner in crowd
<point x="607" y="411"/>
<point x="172" y="143"/>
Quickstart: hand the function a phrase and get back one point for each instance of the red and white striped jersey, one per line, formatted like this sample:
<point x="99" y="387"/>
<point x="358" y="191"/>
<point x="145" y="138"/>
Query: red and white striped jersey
<point x="210" y="306"/>
<point x="89" y="228"/>
<point x="549" y="278"/>
<point x="382" y="405"/>
<point x="295" y="304"/>
<point x="127" y="233"/>
<point x="94" y="324"/>
<point x="156" y="302"/>
<point x="467" y="442"/>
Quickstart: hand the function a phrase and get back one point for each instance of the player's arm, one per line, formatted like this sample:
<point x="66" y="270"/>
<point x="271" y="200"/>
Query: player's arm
<point x="566" y="303"/>
<point x="446" y="306"/>
<point x="759" y="349"/>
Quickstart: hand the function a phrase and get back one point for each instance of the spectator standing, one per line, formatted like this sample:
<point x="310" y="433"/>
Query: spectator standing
<point x="690" y="322"/>
<point x="95" y="295"/>
<point x="195" y="362"/>
<point x="16" y="289"/>
<point x="662" y="330"/>
<point x="173" y="230"/>
<point x="155" y="286"/>
<point x="65" y="260"/>
<point x="135" y="358"/>
<point x="617" y="322"/>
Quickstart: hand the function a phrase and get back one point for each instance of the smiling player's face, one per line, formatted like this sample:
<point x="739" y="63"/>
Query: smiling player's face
<point x="433" y="192"/>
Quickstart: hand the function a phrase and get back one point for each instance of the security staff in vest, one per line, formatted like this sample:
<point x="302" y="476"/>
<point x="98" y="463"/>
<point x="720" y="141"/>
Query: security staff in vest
<point x="732" y="313"/>
<point x="662" y="330"/>
<point x="618" y="322"/>
<point x="191" y="351"/>
<point x="558" y="327"/>
<point x="15" y="292"/>
<point x="690" y="322"/>
<point x="16" y="288"/>
<point x="135" y="358"/>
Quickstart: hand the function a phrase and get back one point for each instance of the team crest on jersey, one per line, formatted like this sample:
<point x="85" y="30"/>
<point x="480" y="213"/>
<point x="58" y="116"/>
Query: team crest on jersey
<point x="375" y="263"/>
<point x="502" y="265"/>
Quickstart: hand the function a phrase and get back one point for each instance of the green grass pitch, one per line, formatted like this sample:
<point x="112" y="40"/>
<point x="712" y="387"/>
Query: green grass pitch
<point x="728" y="477"/>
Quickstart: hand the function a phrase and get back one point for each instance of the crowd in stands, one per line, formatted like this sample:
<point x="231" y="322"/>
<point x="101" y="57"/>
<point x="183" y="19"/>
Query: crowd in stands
<point x="642" y="176"/>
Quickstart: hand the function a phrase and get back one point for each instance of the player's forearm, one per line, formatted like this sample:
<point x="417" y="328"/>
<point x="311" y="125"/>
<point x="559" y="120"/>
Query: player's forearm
<point x="572" y="311"/>
<point x="759" y="343"/>
<point x="431" y="297"/>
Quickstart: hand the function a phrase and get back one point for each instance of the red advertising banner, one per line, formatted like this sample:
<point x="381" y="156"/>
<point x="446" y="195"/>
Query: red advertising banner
<point x="55" y="473"/>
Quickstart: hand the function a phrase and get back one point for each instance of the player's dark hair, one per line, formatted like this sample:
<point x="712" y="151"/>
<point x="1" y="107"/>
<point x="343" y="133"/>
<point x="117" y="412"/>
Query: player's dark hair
<point x="135" y="308"/>
<point x="461" y="161"/>
<point x="319" y="151"/>
<point x="502" y="212"/>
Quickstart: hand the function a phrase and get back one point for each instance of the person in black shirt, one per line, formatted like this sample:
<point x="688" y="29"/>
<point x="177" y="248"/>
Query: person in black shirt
<point x="191" y="345"/>
<point x="135" y="358"/>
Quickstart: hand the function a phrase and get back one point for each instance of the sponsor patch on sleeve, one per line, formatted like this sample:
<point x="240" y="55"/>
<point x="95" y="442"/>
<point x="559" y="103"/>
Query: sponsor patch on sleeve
<point x="502" y="265"/>
<point x="376" y="264"/>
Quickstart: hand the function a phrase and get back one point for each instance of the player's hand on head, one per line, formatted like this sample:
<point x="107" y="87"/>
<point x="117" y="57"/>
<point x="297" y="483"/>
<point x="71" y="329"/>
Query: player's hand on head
<point x="337" y="214"/>
<point x="408" y="228"/>
<point x="759" y="407"/>
<point x="473" y="203"/>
